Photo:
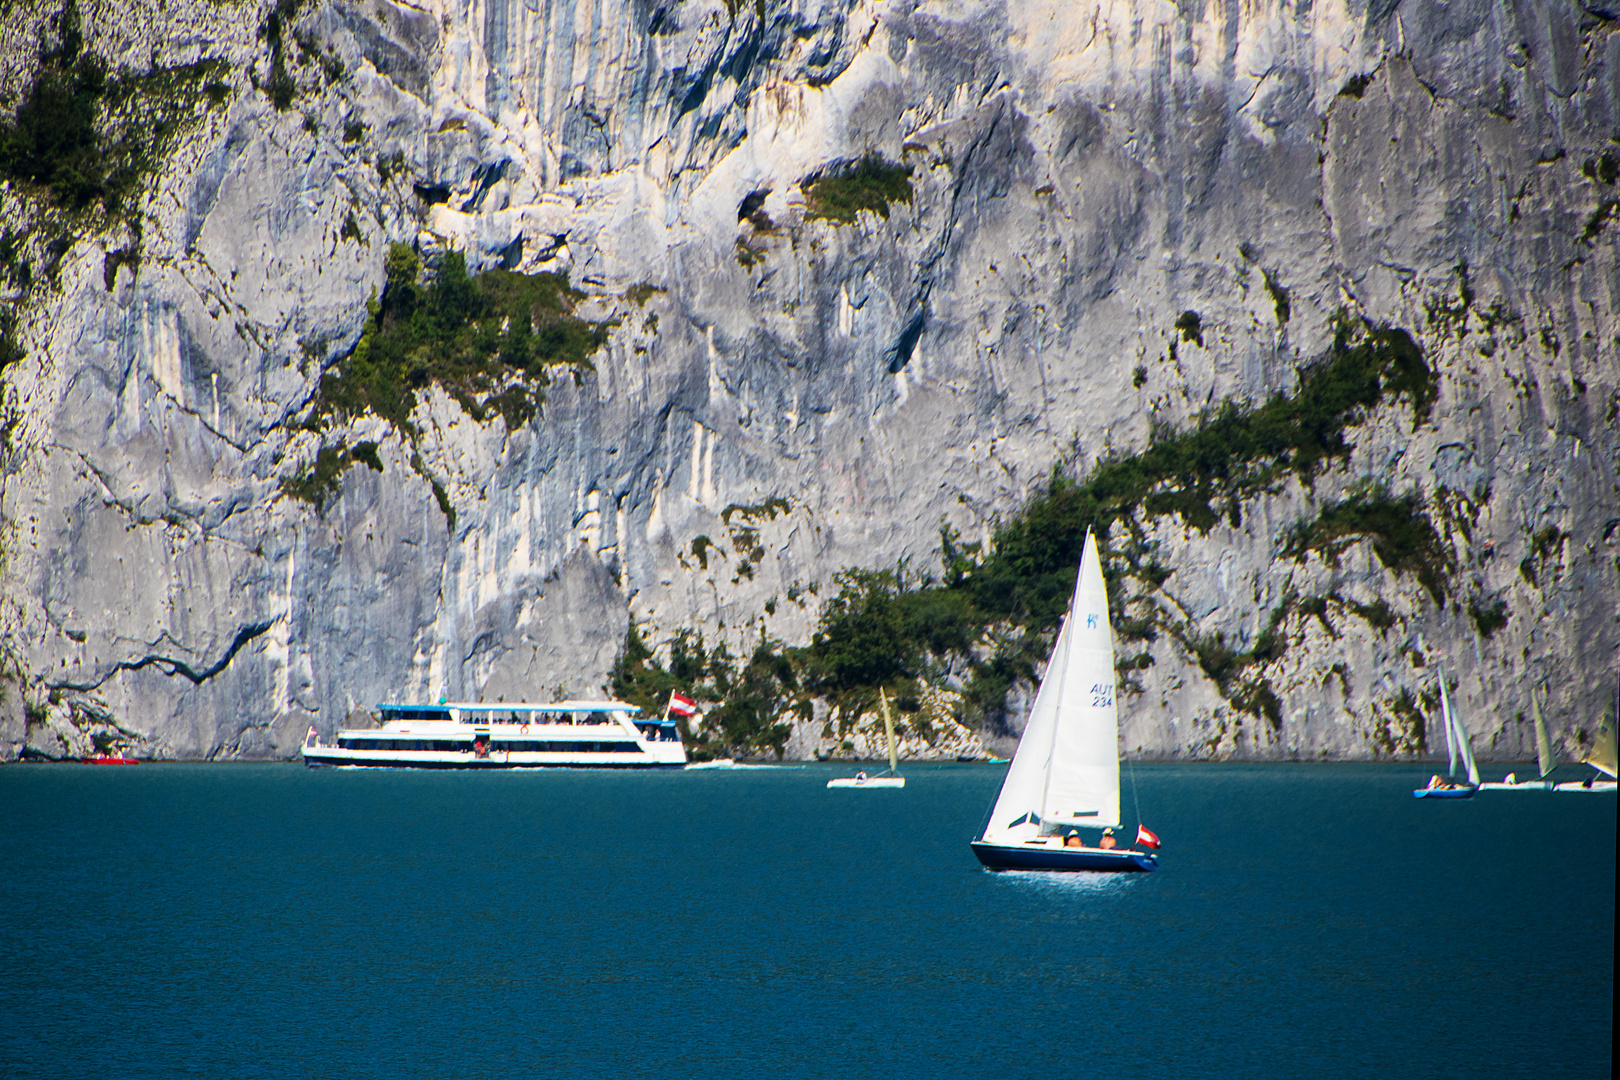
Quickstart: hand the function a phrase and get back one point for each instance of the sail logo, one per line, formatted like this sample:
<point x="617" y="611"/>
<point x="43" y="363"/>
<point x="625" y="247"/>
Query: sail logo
<point x="1091" y="621"/>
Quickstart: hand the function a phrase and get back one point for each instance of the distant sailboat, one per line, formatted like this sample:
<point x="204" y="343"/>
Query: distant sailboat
<point x="894" y="779"/>
<point x="1544" y="759"/>
<point x="1457" y="749"/>
<point x="1601" y="757"/>
<point x="1065" y="774"/>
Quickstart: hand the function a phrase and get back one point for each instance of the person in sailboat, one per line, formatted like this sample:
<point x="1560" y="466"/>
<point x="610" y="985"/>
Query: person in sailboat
<point x="1107" y="840"/>
<point x="1073" y="840"/>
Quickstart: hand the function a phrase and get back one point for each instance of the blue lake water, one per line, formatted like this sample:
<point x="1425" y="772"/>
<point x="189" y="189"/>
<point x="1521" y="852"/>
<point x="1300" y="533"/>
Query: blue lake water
<point x="275" y="921"/>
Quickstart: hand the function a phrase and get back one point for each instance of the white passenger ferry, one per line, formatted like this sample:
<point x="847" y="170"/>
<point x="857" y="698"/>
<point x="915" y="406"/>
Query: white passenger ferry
<point x="480" y="735"/>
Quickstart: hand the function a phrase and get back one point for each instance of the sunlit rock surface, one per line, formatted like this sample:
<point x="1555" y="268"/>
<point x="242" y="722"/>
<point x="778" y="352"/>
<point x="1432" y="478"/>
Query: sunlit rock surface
<point x="1083" y="175"/>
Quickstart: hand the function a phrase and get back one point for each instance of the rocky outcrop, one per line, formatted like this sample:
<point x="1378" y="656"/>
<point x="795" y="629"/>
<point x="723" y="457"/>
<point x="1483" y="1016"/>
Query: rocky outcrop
<point x="1121" y="216"/>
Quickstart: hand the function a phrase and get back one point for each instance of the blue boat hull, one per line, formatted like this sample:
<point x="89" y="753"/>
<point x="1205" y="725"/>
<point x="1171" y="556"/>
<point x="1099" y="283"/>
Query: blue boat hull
<point x="1444" y="793"/>
<point x="1027" y="857"/>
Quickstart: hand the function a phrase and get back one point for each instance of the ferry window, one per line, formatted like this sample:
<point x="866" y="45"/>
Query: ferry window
<point x="345" y="744"/>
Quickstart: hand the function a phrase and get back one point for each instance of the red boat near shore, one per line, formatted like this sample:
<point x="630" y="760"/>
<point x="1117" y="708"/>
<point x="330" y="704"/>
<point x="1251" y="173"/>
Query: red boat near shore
<point x="109" y="759"/>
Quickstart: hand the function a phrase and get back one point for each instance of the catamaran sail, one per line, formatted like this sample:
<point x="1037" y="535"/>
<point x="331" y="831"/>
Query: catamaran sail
<point x="1457" y="736"/>
<point x="1066" y="770"/>
<point x="1602" y="755"/>
<point x="1544" y="751"/>
<point x="888" y="730"/>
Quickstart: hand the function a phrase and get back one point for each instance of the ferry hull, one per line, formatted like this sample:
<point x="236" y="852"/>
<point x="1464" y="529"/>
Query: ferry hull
<point x="1029" y="857"/>
<point x="320" y="761"/>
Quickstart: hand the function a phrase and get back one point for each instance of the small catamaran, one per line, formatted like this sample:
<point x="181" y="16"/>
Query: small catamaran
<point x="1065" y="774"/>
<point x="1457" y="749"/>
<point x="894" y="779"/>
<point x="1544" y="759"/>
<point x="1601" y="756"/>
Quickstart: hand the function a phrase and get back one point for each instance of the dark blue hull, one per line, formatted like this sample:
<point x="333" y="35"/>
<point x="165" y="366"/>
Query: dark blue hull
<point x="1029" y="857"/>
<point x="1444" y="793"/>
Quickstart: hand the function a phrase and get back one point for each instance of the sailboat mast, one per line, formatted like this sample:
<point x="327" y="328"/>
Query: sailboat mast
<point x="888" y="729"/>
<point x="1445" y="720"/>
<point x="1062" y="663"/>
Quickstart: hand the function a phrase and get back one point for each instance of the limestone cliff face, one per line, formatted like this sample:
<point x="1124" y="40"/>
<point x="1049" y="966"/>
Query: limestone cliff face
<point x="1083" y="175"/>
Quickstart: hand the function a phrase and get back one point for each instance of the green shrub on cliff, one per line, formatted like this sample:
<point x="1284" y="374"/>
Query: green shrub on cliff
<point x="841" y="193"/>
<point x="489" y="341"/>
<point x="85" y="136"/>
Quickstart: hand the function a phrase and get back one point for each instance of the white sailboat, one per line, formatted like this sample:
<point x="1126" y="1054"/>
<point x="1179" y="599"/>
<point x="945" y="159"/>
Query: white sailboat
<point x="894" y="779"/>
<point x="1544" y="759"/>
<point x="1457" y="749"/>
<point x="1065" y="775"/>
<point x="1601" y="757"/>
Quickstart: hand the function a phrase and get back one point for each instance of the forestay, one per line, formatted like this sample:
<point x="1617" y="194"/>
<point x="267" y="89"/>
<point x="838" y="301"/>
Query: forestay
<point x="1066" y="769"/>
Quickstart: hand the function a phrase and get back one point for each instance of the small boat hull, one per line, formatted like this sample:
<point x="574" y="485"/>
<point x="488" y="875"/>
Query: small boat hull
<point x="870" y="781"/>
<point x="1587" y="785"/>
<point x="1524" y="785"/>
<point x="1444" y="793"/>
<point x="1044" y="857"/>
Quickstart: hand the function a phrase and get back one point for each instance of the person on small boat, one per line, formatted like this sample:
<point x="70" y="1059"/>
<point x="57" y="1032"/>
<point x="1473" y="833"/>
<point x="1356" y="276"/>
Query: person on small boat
<point x="1107" y="840"/>
<point x="1073" y="840"/>
<point x="860" y="777"/>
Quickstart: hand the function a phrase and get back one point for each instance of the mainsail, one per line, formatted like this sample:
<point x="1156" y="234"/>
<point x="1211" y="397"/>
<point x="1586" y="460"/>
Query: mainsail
<point x="888" y="729"/>
<point x="1544" y="751"/>
<point x="1458" y="735"/>
<point x="1602" y="755"/>
<point x="1066" y="769"/>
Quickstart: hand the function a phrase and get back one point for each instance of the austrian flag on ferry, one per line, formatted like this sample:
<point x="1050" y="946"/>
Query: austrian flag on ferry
<point x="681" y="705"/>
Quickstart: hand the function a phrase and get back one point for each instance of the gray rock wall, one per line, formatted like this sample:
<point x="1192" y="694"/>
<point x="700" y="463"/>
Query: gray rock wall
<point x="1083" y="174"/>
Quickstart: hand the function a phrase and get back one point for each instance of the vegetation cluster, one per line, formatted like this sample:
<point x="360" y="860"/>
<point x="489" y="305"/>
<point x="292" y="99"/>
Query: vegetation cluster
<point x="489" y="340"/>
<point x="987" y="619"/>
<point x="839" y="194"/>
<point x="85" y="136"/>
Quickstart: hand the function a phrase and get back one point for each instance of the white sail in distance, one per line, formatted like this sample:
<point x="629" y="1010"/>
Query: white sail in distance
<point x="1066" y="768"/>
<point x="1459" y="734"/>
<point x="1602" y="755"/>
<point x="888" y="729"/>
<point x="1445" y="722"/>
<point x="1544" y="750"/>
